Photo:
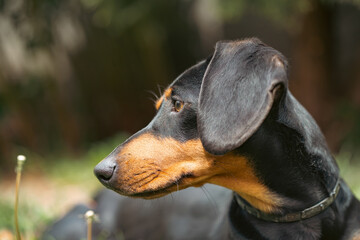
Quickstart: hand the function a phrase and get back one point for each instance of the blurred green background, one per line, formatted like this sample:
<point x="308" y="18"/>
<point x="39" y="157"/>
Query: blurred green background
<point x="76" y="76"/>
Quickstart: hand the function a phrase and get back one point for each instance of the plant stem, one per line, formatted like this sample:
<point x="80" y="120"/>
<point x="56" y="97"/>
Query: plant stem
<point x="89" y="230"/>
<point x="18" y="177"/>
<point x="20" y="162"/>
<point x="89" y="216"/>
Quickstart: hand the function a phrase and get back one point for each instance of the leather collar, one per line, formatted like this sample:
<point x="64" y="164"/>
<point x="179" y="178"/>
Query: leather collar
<point x="290" y="217"/>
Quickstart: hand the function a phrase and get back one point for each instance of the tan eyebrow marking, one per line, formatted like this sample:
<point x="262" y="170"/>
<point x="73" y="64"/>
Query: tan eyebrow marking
<point x="167" y="94"/>
<point x="158" y="103"/>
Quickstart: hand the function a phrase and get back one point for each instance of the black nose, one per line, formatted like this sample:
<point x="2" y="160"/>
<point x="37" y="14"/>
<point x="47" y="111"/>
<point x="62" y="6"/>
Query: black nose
<point x="105" y="170"/>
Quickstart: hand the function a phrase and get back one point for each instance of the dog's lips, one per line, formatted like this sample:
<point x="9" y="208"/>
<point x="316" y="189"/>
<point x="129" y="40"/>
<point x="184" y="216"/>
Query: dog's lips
<point x="151" y="194"/>
<point x="172" y="186"/>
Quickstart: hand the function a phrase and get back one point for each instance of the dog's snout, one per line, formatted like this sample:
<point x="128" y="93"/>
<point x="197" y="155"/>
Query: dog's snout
<point x="105" y="170"/>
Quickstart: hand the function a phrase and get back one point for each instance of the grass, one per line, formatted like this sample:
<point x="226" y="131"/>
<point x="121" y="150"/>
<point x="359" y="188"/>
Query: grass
<point x="349" y="170"/>
<point x="80" y="170"/>
<point x="49" y="188"/>
<point x="32" y="217"/>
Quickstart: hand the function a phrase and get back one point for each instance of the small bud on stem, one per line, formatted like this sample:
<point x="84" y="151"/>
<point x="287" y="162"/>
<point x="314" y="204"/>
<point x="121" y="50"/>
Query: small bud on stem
<point x="20" y="161"/>
<point x="90" y="217"/>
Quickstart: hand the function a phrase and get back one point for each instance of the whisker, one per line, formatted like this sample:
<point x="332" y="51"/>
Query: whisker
<point x="211" y="199"/>
<point x="148" y="181"/>
<point x="146" y="177"/>
<point x="152" y="93"/>
<point x="154" y="97"/>
<point x="159" y="89"/>
<point x="172" y="197"/>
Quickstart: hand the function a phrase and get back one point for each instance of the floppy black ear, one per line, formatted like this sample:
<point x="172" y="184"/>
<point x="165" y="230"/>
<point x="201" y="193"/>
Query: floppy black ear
<point x="237" y="93"/>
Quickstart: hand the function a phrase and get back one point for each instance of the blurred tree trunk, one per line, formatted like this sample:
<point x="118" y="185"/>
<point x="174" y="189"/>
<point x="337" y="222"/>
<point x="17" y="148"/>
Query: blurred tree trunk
<point x="312" y="69"/>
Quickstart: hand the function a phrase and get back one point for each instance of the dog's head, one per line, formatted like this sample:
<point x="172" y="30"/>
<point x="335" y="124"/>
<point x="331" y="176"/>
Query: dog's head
<point x="203" y="116"/>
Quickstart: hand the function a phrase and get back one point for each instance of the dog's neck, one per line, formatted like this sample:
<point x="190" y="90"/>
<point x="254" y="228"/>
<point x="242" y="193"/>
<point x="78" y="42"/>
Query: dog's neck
<point x="299" y="176"/>
<point x="284" y="166"/>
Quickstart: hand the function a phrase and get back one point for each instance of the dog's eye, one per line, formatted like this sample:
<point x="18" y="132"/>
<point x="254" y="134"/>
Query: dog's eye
<point x="178" y="105"/>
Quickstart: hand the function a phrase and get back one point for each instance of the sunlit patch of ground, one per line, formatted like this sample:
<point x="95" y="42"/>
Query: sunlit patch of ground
<point x="52" y="196"/>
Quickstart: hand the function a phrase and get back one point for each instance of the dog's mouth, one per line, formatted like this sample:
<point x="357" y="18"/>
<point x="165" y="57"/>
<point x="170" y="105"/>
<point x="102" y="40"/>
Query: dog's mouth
<point x="182" y="182"/>
<point x="152" y="194"/>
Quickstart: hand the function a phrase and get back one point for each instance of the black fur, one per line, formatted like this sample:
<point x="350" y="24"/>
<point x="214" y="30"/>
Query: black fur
<point x="237" y="93"/>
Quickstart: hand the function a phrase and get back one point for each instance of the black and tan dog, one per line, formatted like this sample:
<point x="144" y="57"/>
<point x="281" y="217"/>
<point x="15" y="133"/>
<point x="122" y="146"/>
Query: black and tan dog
<point x="231" y="121"/>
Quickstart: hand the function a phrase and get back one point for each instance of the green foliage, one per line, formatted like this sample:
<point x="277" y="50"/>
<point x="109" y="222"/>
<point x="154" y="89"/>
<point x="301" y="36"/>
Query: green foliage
<point x="283" y="12"/>
<point x="349" y="170"/>
<point x="6" y="216"/>
<point x="79" y="170"/>
<point x="31" y="217"/>
<point x="350" y="113"/>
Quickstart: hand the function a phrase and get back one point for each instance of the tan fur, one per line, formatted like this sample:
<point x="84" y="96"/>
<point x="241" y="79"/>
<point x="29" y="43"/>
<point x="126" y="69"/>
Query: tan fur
<point x="158" y="103"/>
<point x="148" y="163"/>
<point x="166" y="95"/>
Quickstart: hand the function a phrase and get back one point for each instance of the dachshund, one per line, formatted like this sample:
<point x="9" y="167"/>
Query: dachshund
<point x="231" y="121"/>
